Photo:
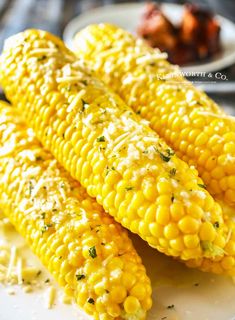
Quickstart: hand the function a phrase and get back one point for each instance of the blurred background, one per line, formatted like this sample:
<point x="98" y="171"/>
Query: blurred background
<point x="54" y="15"/>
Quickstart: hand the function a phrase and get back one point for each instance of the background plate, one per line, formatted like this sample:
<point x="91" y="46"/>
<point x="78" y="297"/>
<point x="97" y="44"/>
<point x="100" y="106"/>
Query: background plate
<point x="128" y="16"/>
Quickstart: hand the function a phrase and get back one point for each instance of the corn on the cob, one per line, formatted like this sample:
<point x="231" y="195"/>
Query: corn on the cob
<point x="88" y="253"/>
<point x="110" y="150"/>
<point x="189" y="121"/>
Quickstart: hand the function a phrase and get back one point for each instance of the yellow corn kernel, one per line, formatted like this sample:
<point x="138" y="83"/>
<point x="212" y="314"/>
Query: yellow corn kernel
<point x="162" y="215"/>
<point x="191" y="241"/>
<point x="177" y="244"/>
<point x="113" y="138"/>
<point x="207" y="232"/>
<point x="177" y="211"/>
<point x="118" y="294"/>
<point x="114" y="310"/>
<point x="74" y="250"/>
<point x="128" y="280"/>
<point x="194" y="126"/>
<point x="171" y="231"/>
<point x="131" y="305"/>
<point x="138" y="291"/>
<point x="188" y="225"/>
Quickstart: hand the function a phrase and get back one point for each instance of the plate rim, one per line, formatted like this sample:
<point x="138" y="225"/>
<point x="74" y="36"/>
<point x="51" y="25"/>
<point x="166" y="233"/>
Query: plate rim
<point x="212" y="66"/>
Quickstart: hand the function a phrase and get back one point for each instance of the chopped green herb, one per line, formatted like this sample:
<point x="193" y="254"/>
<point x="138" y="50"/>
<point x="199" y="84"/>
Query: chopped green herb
<point x="145" y="152"/>
<point x="107" y="291"/>
<point x="173" y="172"/>
<point x="38" y="158"/>
<point x="68" y="88"/>
<point x="170" y="152"/>
<point x="164" y="157"/>
<point x="201" y="185"/>
<point x="90" y="300"/>
<point x="216" y="224"/>
<point x="172" y="198"/>
<point x="171" y="306"/>
<point x="100" y="139"/>
<point x="92" y="252"/>
<point x="62" y="185"/>
<point x="138" y="112"/>
<point x="60" y="257"/>
<point x="129" y="188"/>
<point x="38" y="273"/>
<point x="43" y="215"/>
<point x="80" y="276"/>
<point x="47" y="280"/>
<point x="54" y="210"/>
<point x="84" y="82"/>
<point x="84" y="105"/>
<point x="46" y="227"/>
<point x="211" y="250"/>
<point x="41" y="58"/>
<point x="109" y="169"/>
<point x="30" y="187"/>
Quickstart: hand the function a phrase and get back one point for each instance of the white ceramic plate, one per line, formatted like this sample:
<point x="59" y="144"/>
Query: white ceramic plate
<point x="127" y="16"/>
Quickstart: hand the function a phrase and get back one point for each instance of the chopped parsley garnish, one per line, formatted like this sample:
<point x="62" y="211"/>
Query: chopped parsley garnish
<point x="30" y="187"/>
<point x="173" y="172"/>
<point x="41" y="58"/>
<point x="80" y="276"/>
<point x="84" y="105"/>
<point x="172" y="198"/>
<point x="46" y="227"/>
<point x="38" y="273"/>
<point x="201" y="185"/>
<point x="138" y="112"/>
<point x="68" y="88"/>
<point x="171" y="306"/>
<point x="167" y="156"/>
<point x="170" y="152"/>
<point x="84" y="82"/>
<point x="62" y="185"/>
<point x="38" y="158"/>
<point x="129" y="188"/>
<point x="43" y="215"/>
<point x="164" y="157"/>
<point x="109" y="169"/>
<point x="47" y="280"/>
<point x="100" y="139"/>
<point x="216" y="224"/>
<point x="92" y="252"/>
<point x="211" y="250"/>
<point x="90" y="300"/>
